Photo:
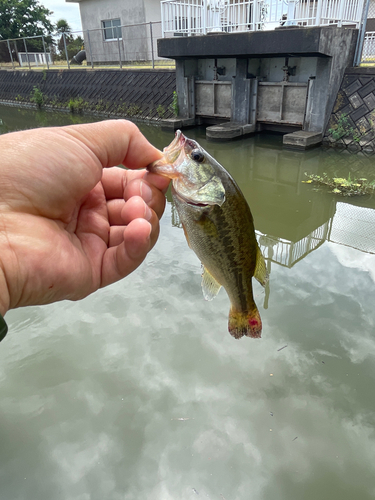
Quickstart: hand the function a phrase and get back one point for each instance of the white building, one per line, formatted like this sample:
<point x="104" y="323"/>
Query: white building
<point x="120" y="29"/>
<point x="107" y="34"/>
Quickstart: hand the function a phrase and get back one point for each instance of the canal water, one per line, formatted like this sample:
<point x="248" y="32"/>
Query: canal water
<point x="139" y="392"/>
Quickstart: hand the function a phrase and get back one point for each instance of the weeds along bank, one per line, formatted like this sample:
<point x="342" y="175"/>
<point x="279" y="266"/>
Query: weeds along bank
<point x="139" y="94"/>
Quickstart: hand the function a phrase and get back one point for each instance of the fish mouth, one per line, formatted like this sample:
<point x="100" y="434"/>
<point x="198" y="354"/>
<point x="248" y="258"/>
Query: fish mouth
<point x="172" y="152"/>
<point x="165" y="165"/>
<point x="187" y="200"/>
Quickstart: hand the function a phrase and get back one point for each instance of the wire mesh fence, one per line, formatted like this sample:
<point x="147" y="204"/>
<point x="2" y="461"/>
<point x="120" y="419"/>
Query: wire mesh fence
<point x="367" y="37"/>
<point x="109" y="46"/>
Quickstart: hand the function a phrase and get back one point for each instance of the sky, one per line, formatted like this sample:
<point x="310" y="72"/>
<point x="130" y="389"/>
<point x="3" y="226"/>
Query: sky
<point x="64" y="10"/>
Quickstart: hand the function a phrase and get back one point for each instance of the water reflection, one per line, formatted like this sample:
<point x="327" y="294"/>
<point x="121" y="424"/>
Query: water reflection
<point x="91" y="392"/>
<point x="292" y="219"/>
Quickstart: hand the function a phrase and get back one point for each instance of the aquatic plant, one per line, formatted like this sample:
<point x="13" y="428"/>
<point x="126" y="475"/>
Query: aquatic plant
<point x="122" y="108"/>
<point x="342" y="186"/>
<point x="160" y="110"/>
<point x="344" y="129"/>
<point x="37" y="97"/>
<point x="102" y="106"/>
<point x="77" y="105"/>
<point x="174" y="104"/>
<point x="133" y="110"/>
<point x="55" y="102"/>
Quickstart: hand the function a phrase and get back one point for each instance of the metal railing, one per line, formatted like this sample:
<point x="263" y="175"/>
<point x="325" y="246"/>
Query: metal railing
<point x="199" y="17"/>
<point x="365" y="52"/>
<point x="368" y="52"/>
<point x="327" y="12"/>
<point x="134" y="45"/>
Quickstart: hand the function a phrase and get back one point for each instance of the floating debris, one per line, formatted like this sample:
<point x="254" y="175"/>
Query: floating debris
<point x="281" y="348"/>
<point x="340" y="185"/>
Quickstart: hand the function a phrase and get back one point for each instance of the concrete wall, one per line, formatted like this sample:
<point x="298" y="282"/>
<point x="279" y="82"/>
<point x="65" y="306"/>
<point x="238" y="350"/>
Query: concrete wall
<point x="135" y="43"/>
<point x="270" y="69"/>
<point x="126" y="93"/>
<point x="266" y="69"/>
<point x="205" y="69"/>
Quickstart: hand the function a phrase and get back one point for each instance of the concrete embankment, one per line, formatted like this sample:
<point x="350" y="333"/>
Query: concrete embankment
<point x="137" y="94"/>
<point x="352" y="123"/>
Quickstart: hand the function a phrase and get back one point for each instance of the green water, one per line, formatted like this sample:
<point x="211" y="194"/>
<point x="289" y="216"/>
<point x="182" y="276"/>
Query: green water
<point x="139" y="392"/>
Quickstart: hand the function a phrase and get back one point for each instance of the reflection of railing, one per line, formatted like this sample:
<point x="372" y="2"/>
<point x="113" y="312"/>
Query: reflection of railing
<point x="286" y="253"/>
<point x="351" y="226"/>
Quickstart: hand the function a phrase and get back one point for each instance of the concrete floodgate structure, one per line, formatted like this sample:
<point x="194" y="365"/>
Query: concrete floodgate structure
<point x="284" y="80"/>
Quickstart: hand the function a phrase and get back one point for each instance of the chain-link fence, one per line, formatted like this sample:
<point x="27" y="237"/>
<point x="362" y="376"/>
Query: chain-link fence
<point x="366" y="37"/>
<point x="111" y="46"/>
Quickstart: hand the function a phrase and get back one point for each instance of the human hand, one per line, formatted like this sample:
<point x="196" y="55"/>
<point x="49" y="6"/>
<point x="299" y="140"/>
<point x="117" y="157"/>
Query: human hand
<point x="70" y="224"/>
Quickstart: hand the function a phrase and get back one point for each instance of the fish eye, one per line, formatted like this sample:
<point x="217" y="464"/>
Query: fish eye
<point x="197" y="155"/>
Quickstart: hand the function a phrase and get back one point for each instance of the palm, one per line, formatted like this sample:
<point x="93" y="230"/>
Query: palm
<point x="75" y="227"/>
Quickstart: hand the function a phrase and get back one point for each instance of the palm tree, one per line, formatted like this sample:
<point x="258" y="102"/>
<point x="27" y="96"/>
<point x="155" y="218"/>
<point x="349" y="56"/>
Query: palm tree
<point x="62" y="26"/>
<point x="63" y="29"/>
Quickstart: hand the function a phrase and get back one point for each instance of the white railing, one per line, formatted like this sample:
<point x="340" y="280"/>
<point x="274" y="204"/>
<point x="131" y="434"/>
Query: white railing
<point x="199" y="17"/>
<point x="368" y="52"/>
<point x="34" y="58"/>
<point x="326" y="12"/>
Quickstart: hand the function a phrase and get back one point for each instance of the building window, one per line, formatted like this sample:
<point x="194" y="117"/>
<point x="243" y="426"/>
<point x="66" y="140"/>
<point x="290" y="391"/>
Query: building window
<point x="112" y="29"/>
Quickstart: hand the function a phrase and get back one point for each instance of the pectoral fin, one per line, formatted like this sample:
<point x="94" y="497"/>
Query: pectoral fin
<point x="261" y="273"/>
<point x="210" y="286"/>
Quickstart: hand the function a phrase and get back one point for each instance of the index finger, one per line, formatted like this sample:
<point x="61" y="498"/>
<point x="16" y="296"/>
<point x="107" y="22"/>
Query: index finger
<point x="115" y="180"/>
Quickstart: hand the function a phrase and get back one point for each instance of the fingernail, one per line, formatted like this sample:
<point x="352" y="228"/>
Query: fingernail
<point x="148" y="213"/>
<point x="146" y="192"/>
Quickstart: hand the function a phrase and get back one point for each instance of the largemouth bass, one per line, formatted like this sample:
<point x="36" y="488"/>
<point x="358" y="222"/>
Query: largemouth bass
<point x="219" y="227"/>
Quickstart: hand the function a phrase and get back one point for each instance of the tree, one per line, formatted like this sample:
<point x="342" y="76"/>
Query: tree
<point x="25" y="18"/>
<point x="21" y="18"/>
<point x="63" y="28"/>
<point x="73" y="45"/>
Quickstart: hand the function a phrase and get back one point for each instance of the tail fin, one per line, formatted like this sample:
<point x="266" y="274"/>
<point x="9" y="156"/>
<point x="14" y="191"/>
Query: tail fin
<point x="245" y="323"/>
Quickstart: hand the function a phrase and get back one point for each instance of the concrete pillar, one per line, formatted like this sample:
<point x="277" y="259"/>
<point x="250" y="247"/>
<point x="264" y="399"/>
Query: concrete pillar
<point x="185" y="89"/>
<point x="241" y="94"/>
<point x="182" y="94"/>
<point x="315" y="119"/>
